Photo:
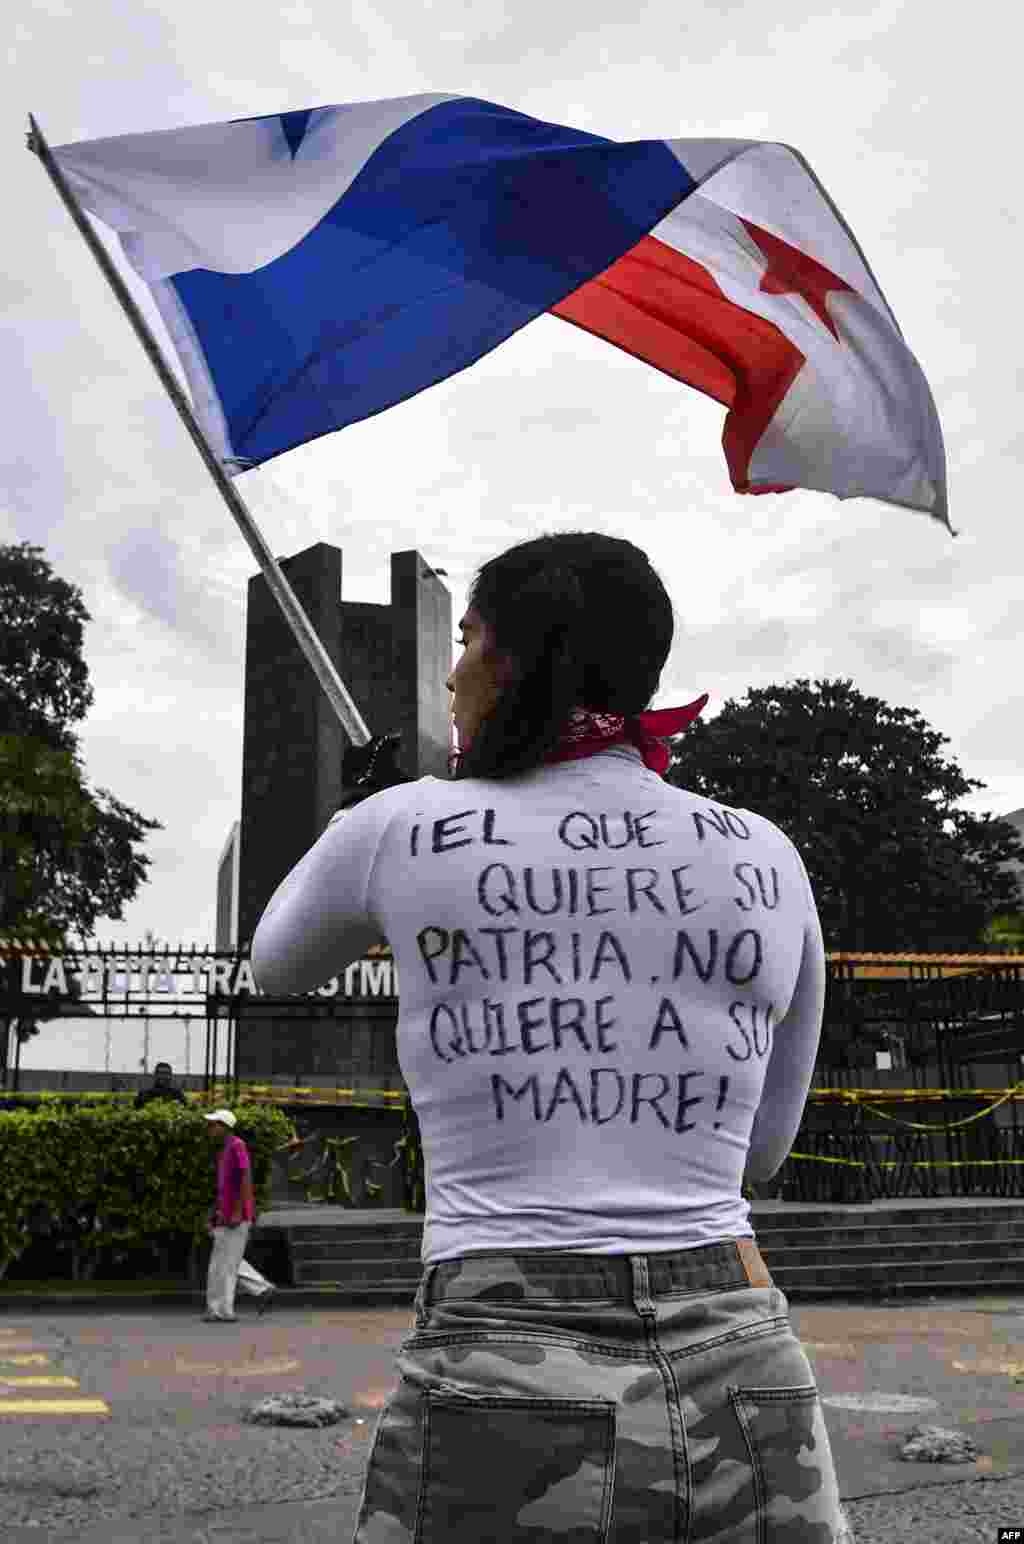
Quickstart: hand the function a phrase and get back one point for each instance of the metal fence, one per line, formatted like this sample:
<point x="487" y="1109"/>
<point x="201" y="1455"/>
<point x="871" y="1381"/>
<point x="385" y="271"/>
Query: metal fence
<point x="918" y="1088"/>
<point x="919" y="1084"/>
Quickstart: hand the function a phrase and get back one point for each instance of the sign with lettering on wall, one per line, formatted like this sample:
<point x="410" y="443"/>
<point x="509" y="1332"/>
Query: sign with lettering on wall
<point x="179" y="977"/>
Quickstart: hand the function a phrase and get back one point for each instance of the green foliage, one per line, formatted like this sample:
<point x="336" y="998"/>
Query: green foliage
<point x="862" y="790"/>
<point x="46" y="1101"/>
<point x="67" y="855"/>
<point x="409" y="1152"/>
<point x="1005" y="933"/>
<point x="329" y="1178"/>
<point x="95" y="1174"/>
<point x="44" y="682"/>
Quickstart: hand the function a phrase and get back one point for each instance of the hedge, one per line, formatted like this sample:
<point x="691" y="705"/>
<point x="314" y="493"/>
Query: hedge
<point x="98" y="1174"/>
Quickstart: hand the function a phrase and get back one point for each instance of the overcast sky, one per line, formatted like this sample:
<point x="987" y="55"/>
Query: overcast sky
<point x="901" y="110"/>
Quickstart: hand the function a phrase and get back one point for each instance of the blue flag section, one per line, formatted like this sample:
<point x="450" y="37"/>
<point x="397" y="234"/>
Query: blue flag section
<point x="444" y="245"/>
<point x="316" y="267"/>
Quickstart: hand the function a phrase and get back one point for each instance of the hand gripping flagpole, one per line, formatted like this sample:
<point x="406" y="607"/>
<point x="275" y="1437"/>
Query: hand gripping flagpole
<point x="305" y="636"/>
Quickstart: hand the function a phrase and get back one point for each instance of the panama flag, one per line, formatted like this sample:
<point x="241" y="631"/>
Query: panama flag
<point x="316" y="267"/>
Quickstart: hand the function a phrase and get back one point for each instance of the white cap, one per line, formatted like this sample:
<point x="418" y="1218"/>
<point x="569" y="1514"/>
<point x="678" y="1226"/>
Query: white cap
<point x="222" y="1115"/>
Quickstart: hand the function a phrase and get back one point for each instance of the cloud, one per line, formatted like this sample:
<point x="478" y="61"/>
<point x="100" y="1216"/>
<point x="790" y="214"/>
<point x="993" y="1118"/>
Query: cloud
<point x="904" y="123"/>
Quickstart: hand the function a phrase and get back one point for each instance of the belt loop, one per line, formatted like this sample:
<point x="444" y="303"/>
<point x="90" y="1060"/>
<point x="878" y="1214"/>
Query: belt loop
<point x="422" y="1293"/>
<point x="753" y="1265"/>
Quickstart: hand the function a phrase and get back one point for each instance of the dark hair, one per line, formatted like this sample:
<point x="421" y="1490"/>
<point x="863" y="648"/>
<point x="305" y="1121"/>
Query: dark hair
<point x="163" y="1064"/>
<point x="586" y="622"/>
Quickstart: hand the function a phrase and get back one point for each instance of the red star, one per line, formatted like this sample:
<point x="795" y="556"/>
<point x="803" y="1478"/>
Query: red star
<point x="791" y="271"/>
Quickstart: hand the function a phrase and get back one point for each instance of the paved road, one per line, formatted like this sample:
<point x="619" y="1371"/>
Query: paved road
<point x="143" y="1440"/>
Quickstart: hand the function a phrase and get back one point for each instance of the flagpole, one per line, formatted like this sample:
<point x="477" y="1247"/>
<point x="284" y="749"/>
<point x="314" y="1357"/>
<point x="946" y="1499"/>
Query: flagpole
<point x="305" y="636"/>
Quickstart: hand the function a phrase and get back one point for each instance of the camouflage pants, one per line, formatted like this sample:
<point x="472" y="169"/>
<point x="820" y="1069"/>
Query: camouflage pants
<point x="602" y="1399"/>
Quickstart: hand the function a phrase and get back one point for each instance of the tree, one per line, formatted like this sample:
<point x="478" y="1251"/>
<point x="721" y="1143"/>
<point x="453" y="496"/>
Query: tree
<point x="1005" y="933"/>
<point x="67" y="855"/>
<point x="862" y="790"/>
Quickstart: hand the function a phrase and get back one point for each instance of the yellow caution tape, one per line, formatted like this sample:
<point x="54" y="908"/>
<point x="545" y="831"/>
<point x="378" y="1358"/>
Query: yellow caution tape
<point x="824" y="1094"/>
<point x="857" y="1096"/>
<point x="819" y="1095"/>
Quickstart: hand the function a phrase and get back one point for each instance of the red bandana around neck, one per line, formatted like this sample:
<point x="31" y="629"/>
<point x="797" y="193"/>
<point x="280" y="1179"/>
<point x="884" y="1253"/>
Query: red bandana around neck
<point x="588" y="732"/>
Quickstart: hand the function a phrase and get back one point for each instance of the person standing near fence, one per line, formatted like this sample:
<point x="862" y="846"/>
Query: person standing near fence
<point x="231" y="1220"/>
<point x="612" y="992"/>
<point x="162" y="1087"/>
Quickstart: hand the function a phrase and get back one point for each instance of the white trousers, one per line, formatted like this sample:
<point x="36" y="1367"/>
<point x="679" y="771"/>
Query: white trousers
<point x="228" y="1267"/>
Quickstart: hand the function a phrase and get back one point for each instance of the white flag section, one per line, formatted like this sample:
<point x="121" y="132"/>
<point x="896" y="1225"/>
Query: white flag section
<point x="316" y="267"/>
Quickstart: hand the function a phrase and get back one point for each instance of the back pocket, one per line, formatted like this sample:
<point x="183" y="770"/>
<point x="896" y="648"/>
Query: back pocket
<point x="793" y="1489"/>
<point x="499" y="1466"/>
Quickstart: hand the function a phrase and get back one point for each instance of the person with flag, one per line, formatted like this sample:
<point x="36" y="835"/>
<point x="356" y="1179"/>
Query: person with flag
<point x="611" y="1001"/>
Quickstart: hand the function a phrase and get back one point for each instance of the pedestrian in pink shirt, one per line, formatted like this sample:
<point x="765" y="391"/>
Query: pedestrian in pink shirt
<point x="231" y="1219"/>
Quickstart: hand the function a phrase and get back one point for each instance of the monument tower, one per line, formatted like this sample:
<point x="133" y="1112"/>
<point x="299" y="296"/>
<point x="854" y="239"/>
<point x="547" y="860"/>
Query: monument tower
<point x="394" y="659"/>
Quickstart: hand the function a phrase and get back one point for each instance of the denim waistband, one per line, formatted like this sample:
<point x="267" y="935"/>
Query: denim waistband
<point x="552" y="1275"/>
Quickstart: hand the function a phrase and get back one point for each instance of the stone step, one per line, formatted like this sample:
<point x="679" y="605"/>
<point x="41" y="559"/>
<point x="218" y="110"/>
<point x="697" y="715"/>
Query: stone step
<point x="341" y="1269"/>
<point x="892" y="1256"/>
<point x="338" y="1244"/>
<point x="885" y="1237"/>
<point x="827" y="1252"/>
<point x="967" y="1266"/>
<point x="313" y="1233"/>
<point x="342" y="1247"/>
<point x="803" y="1284"/>
<point x="881" y="1292"/>
<point x="880" y="1272"/>
<point x="385" y="1293"/>
<point x="882" y="1216"/>
<point x="337" y="1264"/>
<point x="763" y="1219"/>
<point x="966" y="1261"/>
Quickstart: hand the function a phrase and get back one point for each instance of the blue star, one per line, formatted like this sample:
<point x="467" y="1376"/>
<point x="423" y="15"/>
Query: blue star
<point x="294" y="126"/>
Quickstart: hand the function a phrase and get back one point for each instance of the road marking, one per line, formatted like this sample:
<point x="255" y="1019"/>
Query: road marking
<point x="15" y="1352"/>
<point x="1013" y="1369"/>
<point x="267" y="1369"/>
<point x="882" y="1404"/>
<point x="35" y="1381"/>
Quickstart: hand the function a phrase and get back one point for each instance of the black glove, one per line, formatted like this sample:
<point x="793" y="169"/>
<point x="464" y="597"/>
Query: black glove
<point x="366" y="769"/>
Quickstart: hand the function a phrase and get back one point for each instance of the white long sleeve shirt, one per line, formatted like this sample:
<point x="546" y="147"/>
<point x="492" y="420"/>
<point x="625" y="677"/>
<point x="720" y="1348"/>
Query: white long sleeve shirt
<point x="610" y="997"/>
